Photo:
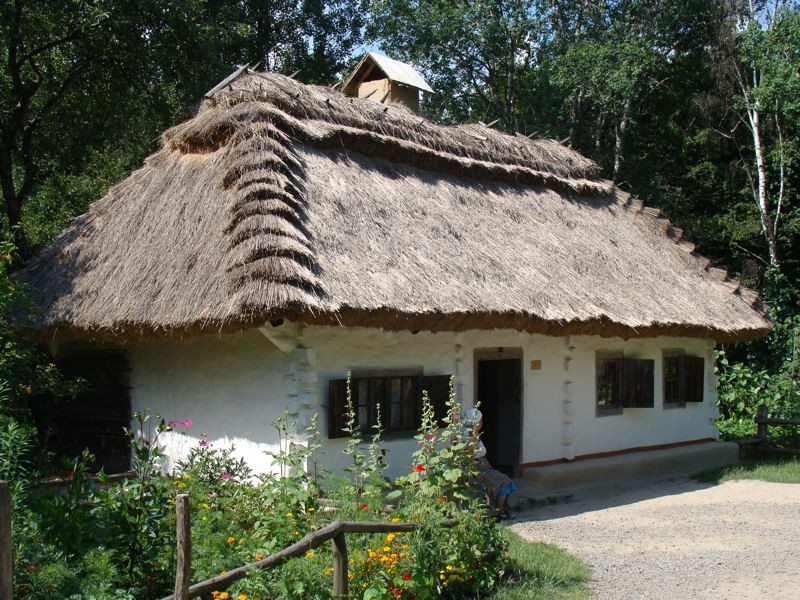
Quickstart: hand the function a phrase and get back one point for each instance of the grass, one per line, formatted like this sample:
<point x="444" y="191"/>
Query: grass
<point x="541" y="571"/>
<point x="775" y="469"/>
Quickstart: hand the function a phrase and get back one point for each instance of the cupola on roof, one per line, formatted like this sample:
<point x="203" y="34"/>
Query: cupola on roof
<point x="387" y="81"/>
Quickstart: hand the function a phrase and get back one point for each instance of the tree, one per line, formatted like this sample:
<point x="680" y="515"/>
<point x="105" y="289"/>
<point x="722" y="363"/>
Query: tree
<point x="476" y="54"/>
<point x="761" y="62"/>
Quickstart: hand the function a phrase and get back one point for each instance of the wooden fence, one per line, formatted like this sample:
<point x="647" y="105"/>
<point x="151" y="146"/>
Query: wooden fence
<point x="763" y="422"/>
<point x="335" y="531"/>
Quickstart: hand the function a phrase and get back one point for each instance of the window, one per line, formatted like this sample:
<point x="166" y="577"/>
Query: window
<point x="683" y="378"/>
<point x="396" y="395"/>
<point x="673" y="377"/>
<point x="609" y="382"/>
<point x="623" y="383"/>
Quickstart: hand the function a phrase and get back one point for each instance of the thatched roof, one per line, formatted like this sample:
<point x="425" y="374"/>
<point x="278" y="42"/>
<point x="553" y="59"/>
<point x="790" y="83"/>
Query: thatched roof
<point x="281" y="200"/>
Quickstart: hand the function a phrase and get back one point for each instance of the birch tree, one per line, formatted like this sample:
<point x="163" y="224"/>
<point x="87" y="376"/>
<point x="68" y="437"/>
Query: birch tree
<point x="763" y="54"/>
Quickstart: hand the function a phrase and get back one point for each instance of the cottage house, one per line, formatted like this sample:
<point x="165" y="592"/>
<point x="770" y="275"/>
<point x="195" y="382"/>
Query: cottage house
<point x="289" y="234"/>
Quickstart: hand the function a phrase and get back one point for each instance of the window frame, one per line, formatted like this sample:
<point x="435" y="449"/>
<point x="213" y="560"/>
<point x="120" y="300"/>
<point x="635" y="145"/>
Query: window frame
<point x="691" y="378"/>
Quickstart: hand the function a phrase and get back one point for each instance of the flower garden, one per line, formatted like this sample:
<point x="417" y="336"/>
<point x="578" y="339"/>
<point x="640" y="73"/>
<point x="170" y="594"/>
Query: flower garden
<point x="96" y="539"/>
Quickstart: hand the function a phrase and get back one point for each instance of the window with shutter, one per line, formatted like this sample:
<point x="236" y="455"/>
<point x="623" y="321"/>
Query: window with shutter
<point x="683" y="378"/>
<point x="397" y="397"/>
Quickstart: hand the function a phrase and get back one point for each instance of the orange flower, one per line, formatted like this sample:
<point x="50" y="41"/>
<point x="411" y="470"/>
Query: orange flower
<point x="440" y="500"/>
<point x="231" y="540"/>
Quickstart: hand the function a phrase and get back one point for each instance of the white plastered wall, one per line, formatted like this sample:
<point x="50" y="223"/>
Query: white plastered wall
<point x="233" y="387"/>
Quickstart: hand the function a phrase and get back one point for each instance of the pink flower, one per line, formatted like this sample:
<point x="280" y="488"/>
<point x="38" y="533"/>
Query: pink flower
<point x="226" y="475"/>
<point x="204" y="443"/>
<point x="184" y="423"/>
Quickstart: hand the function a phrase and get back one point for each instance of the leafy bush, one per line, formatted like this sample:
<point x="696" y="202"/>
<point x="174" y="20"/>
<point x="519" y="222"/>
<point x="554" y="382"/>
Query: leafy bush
<point x="96" y="539"/>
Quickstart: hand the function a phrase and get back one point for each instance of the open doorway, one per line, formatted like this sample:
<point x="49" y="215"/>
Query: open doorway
<point x="499" y="390"/>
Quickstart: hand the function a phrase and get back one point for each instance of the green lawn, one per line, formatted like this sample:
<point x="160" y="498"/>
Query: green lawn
<point x="776" y="469"/>
<point x="542" y="571"/>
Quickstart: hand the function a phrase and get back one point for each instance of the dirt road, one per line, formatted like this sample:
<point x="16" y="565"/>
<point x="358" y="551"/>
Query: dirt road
<point x="679" y="539"/>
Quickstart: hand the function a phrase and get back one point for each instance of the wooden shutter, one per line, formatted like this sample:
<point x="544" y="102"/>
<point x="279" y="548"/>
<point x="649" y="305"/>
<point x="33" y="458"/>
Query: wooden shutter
<point x="438" y="387"/>
<point x="694" y="370"/>
<point x="337" y="408"/>
<point x="638" y="383"/>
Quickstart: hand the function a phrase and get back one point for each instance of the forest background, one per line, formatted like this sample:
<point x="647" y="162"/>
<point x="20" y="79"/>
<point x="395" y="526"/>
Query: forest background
<point x="691" y="105"/>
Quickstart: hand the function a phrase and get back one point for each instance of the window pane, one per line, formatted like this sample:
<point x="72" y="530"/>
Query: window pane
<point x="409" y="404"/>
<point x="377" y="395"/>
<point x="609" y="381"/>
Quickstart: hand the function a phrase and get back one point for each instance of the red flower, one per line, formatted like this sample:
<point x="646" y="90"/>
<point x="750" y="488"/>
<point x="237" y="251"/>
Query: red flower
<point x="419" y="469"/>
<point x="398" y="593"/>
<point x="406" y="577"/>
<point x="440" y="500"/>
<point x="364" y="506"/>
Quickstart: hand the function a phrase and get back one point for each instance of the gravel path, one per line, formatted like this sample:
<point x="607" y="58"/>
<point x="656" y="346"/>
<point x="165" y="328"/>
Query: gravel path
<point x="679" y="539"/>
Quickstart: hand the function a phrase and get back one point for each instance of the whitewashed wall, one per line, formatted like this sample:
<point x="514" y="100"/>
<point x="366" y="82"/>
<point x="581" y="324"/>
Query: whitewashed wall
<point x="233" y="387"/>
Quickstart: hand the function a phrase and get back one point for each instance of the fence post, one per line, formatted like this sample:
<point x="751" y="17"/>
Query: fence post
<point x="340" y="581"/>
<point x="761" y="426"/>
<point x="184" y="551"/>
<point x="6" y="547"/>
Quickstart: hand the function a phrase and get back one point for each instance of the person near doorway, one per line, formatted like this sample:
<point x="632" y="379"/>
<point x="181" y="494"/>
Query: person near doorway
<point x="500" y="485"/>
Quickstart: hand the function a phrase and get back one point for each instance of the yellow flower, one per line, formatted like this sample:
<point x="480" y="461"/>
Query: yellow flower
<point x="187" y="476"/>
<point x="389" y="538"/>
<point x="295" y="533"/>
<point x="215" y="594"/>
<point x="310" y="554"/>
<point x="204" y="505"/>
<point x="224" y="596"/>
<point x="170" y="501"/>
<point x="349" y="575"/>
<point x="387" y="549"/>
<point x="241" y="597"/>
<point x="231" y="539"/>
<point x="290" y="515"/>
<point x="328" y="571"/>
<point x="395" y="520"/>
<point x="241" y="542"/>
<point x="311" y="509"/>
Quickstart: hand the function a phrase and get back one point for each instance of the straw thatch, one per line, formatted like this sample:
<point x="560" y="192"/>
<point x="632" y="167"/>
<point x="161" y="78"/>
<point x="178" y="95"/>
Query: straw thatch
<point x="281" y="200"/>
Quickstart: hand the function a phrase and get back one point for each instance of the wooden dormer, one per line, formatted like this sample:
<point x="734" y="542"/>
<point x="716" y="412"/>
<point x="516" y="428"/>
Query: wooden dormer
<point x="387" y="81"/>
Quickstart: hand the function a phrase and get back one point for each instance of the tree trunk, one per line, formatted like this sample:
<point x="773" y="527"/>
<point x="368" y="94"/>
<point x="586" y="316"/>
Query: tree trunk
<point x="575" y="117"/>
<point x="619" y="146"/>
<point x="767" y="229"/>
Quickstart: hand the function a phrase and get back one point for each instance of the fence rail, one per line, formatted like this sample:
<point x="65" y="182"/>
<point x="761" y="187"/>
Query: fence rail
<point x="335" y="531"/>
<point x="763" y="422"/>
